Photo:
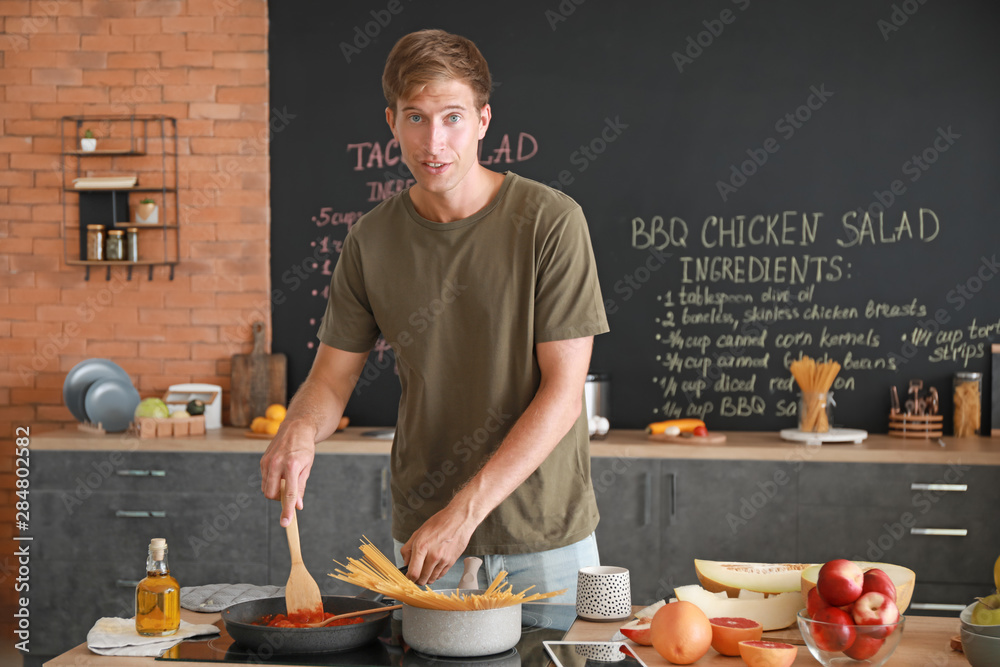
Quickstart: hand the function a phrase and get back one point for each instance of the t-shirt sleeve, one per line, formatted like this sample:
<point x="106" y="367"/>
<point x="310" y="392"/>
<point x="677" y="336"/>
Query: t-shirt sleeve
<point x="348" y="323"/>
<point x="568" y="301"/>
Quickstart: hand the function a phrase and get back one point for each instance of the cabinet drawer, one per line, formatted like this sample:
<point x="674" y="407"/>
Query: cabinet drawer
<point x="198" y="526"/>
<point x="82" y="474"/>
<point x="923" y="488"/>
<point x="888" y="535"/>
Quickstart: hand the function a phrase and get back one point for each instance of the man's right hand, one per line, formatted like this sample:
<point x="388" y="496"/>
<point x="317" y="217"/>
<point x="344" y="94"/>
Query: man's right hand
<point x="289" y="457"/>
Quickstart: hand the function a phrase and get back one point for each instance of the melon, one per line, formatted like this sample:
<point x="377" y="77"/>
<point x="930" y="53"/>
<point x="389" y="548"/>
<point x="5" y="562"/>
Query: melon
<point x="732" y="577"/>
<point x="650" y="611"/>
<point x="773" y="612"/>
<point x="903" y="577"/>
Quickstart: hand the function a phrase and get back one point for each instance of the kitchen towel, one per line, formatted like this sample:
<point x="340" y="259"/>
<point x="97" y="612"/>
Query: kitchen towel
<point x="117" y="636"/>
<point x="216" y="597"/>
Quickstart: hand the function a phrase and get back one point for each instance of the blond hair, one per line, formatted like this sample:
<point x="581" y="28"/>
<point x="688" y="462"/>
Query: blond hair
<point x="430" y="56"/>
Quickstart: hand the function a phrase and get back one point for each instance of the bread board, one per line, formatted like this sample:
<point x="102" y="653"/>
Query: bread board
<point x="710" y="439"/>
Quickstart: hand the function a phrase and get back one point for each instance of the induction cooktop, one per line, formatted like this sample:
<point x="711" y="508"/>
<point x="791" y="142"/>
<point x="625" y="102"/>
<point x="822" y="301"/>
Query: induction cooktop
<point x="539" y="622"/>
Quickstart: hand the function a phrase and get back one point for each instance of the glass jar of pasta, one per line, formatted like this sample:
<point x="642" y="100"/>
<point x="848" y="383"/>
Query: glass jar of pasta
<point x="968" y="403"/>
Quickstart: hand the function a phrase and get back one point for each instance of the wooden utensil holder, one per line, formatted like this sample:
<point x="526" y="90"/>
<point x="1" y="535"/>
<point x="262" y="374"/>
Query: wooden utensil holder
<point x="916" y="426"/>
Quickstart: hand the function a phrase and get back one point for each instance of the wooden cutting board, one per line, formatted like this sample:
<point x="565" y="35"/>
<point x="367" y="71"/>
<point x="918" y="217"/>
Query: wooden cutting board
<point x="710" y="439"/>
<point x="258" y="380"/>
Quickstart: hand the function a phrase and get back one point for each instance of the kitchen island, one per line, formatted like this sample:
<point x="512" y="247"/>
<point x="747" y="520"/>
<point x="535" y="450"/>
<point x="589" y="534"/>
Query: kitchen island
<point x="926" y="641"/>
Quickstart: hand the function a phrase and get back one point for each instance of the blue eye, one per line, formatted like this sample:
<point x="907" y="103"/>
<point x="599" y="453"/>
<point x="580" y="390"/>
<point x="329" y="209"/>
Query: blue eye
<point x="414" y="118"/>
<point x="454" y="118"/>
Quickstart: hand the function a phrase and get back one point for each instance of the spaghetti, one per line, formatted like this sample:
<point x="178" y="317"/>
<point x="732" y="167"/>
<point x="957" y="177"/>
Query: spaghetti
<point x="377" y="573"/>
<point x="815" y="381"/>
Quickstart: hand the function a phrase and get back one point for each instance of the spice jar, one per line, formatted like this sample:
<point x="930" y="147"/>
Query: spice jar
<point x="115" y="245"/>
<point x="968" y="403"/>
<point x="95" y="242"/>
<point x="132" y="244"/>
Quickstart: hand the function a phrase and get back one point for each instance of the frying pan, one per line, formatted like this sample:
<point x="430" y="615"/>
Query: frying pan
<point x="239" y="619"/>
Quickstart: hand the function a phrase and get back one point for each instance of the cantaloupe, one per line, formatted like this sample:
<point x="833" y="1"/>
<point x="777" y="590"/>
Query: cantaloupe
<point x="773" y="612"/>
<point x="732" y="577"/>
<point x="904" y="579"/>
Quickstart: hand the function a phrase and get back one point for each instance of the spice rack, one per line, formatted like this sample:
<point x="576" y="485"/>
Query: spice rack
<point x="98" y="180"/>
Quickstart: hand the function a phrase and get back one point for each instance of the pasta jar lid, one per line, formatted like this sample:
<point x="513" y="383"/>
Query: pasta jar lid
<point x="116" y="232"/>
<point x="95" y="227"/>
<point x="968" y="376"/>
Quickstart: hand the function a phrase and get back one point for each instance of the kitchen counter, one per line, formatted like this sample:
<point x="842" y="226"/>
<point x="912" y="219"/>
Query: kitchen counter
<point x="925" y="641"/>
<point x="739" y="445"/>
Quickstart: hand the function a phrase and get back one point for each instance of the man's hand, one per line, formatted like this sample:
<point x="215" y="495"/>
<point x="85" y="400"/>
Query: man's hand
<point x="289" y="457"/>
<point x="312" y="416"/>
<point x="437" y="544"/>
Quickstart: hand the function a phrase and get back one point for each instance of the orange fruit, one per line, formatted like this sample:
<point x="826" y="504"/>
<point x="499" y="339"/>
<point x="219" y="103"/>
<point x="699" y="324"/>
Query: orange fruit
<point x="681" y="632"/>
<point x="727" y="633"/>
<point x="344" y="421"/>
<point x="275" y="412"/>
<point x="257" y="425"/>
<point x="768" y="654"/>
<point x="271" y="426"/>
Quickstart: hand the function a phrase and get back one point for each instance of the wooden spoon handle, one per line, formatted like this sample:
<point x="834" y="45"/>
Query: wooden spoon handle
<point x="350" y="614"/>
<point x="292" y="530"/>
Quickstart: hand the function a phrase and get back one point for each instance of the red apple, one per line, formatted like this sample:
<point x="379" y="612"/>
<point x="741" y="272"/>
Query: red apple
<point x="639" y="631"/>
<point x="877" y="610"/>
<point x="880" y="582"/>
<point x="814" y="602"/>
<point x="835" y="630"/>
<point x="840" y="582"/>
<point x="864" y="647"/>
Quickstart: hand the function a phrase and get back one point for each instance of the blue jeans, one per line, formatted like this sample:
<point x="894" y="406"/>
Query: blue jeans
<point x="547" y="571"/>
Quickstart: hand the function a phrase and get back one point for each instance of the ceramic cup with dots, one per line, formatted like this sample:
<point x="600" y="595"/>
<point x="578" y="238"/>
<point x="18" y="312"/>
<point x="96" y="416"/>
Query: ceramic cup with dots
<point x="603" y="593"/>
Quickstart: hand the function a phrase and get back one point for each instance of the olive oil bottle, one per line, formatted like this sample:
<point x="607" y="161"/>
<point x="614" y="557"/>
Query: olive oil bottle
<point x="158" y="596"/>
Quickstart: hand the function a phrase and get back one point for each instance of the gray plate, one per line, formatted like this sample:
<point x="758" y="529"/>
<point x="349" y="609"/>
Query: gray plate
<point x="111" y="402"/>
<point x="84" y="374"/>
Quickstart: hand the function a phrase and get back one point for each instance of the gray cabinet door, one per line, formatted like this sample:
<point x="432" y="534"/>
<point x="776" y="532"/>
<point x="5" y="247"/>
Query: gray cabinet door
<point x="726" y="510"/>
<point x="347" y="497"/>
<point x="628" y="535"/>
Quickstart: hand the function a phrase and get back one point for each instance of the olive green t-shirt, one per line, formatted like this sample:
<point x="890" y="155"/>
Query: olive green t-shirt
<point x="463" y="304"/>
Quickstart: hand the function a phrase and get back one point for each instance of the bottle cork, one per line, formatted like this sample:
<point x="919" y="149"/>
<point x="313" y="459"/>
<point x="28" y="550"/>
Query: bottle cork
<point x="157" y="546"/>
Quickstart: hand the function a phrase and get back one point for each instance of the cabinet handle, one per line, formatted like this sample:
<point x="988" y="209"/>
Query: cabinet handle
<point x="961" y="488"/>
<point x="647" y="510"/>
<point x="141" y="473"/>
<point x="947" y="532"/>
<point x="673" y="493"/>
<point x="937" y="606"/>
<point x="140" y="514"/>
<point x="384" y="503"/>
<point x="132" y="583"/>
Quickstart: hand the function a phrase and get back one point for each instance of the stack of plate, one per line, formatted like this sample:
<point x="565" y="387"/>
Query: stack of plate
<point x="98" y="391"/>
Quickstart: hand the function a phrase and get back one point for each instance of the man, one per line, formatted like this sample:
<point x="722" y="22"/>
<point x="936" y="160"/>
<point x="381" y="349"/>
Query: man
<point x="486" y="288"/>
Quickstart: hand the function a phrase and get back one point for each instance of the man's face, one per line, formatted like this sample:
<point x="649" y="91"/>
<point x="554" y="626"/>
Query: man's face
<point x="438" y="130"/>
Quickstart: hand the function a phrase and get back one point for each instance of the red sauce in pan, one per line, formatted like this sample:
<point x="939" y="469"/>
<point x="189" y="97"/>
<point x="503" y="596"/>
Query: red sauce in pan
<point x="301" y="620"/>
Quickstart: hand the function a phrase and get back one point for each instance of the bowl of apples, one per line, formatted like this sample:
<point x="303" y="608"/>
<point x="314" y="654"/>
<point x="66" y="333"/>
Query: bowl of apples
<point x="851" y="616"/>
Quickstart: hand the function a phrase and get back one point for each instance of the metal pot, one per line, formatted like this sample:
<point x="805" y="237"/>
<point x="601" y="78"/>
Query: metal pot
<point x="239" y="619"/>
<point x="461" y="633"/>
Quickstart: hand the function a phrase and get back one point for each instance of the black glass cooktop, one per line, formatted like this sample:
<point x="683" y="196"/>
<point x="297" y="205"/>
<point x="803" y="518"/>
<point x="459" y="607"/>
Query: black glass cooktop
<point x="539" y="622"/>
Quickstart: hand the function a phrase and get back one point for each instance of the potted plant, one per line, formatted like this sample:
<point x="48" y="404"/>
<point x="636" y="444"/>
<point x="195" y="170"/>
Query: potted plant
<point x="146" y="212"/>
<point x="88" y="142"/>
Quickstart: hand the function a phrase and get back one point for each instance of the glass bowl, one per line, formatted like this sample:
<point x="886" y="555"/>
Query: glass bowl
<point x="871" y="647"/>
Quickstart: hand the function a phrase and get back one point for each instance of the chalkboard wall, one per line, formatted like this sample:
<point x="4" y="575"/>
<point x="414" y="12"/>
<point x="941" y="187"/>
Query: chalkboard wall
<point x="762" y="180"/>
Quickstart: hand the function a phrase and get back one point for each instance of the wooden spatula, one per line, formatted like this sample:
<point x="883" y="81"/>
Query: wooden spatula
<point x="302" y="596"/>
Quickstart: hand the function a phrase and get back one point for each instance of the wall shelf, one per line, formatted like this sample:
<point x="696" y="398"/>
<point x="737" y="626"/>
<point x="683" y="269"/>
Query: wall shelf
<point x="145" y="146"/>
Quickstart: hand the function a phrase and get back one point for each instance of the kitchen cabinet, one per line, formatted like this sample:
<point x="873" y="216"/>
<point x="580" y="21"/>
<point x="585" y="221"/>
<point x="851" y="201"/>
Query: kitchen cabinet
<point x="143" y="147"/>
<point x="658" y="516"/>
<point x="937" y="520"/>
<point x="347" y="497"/>
<point x="93" y="514"/>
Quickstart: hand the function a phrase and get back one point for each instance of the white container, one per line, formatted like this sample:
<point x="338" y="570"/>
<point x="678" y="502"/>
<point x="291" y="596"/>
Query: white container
<point x="210" y="394"/>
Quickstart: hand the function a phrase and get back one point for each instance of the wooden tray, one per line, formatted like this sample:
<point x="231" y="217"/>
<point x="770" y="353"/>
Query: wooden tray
<point x="916" y="426"/>
<point x="258" y="436"/>
<point x="710" y="439"/>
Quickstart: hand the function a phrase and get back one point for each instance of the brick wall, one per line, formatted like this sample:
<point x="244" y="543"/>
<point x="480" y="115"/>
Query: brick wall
<point x="201" y="61"/>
